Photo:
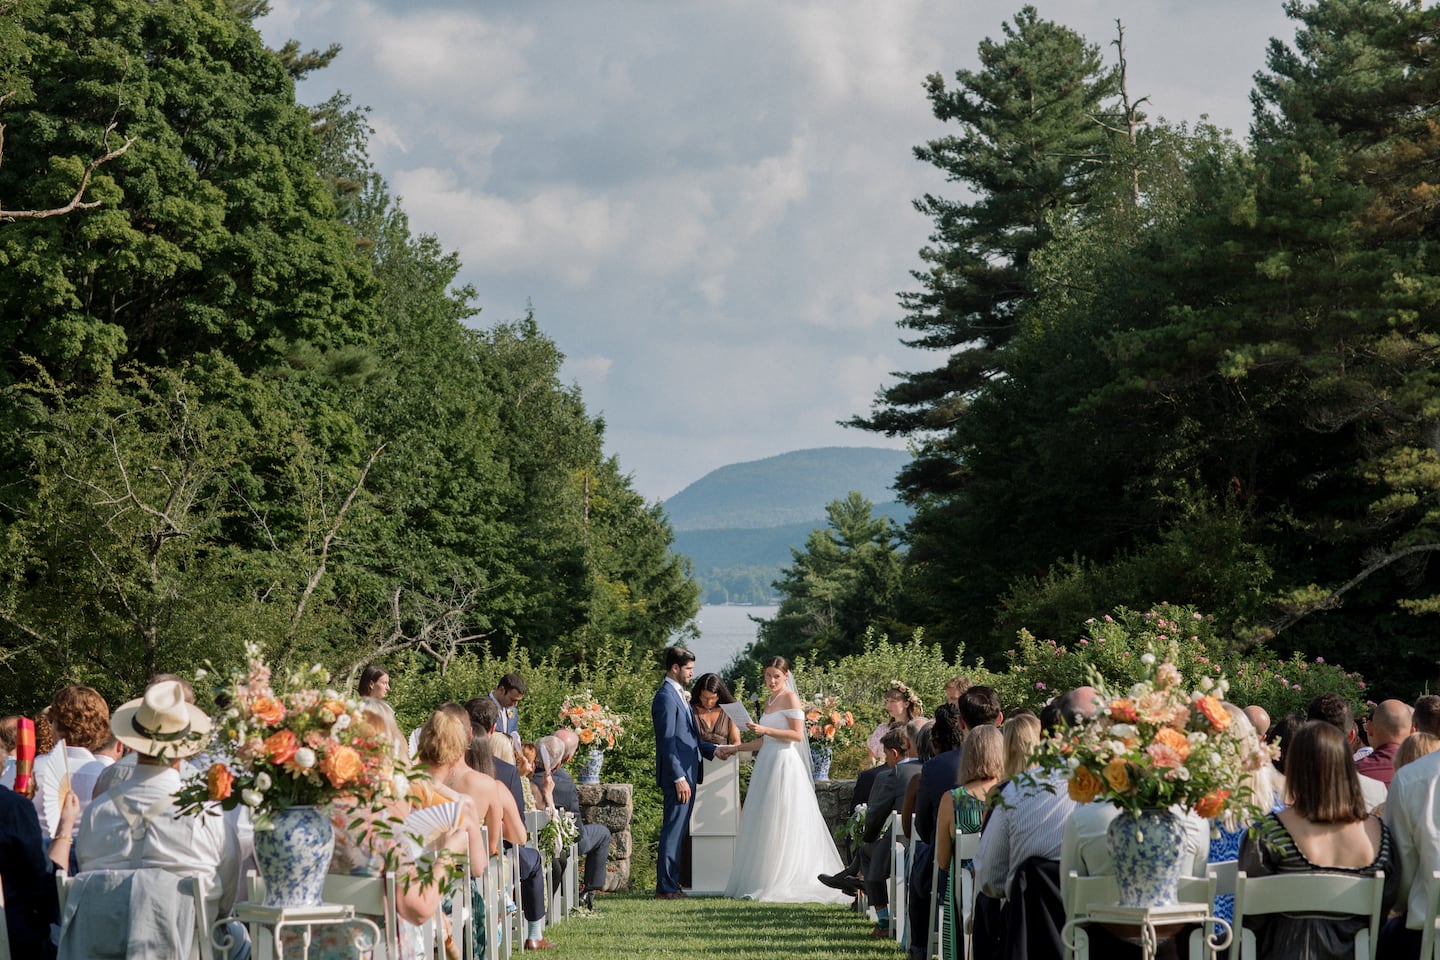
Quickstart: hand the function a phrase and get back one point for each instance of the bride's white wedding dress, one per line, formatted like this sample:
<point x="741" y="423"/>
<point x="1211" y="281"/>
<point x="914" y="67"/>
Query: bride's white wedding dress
<point x="784" y="843"/>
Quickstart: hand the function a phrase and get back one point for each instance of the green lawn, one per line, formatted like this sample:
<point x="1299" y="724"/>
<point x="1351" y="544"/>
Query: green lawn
<point x="637" y="925"/>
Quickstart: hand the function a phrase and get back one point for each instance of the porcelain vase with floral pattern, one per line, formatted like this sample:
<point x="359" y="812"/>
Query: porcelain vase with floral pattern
<point x="1147" y="851"/>
<point x="820" y="756"/>
<point x="590" y="769"/>
<point x="294" y="857"/>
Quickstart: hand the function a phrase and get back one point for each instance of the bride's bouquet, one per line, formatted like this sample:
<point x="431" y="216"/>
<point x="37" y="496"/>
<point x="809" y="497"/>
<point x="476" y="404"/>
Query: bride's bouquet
<point x="826" y="723"/>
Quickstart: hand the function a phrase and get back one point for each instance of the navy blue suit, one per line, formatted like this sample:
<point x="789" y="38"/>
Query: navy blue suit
<point x="678" y="749"/>
<point x="938" y="775"/>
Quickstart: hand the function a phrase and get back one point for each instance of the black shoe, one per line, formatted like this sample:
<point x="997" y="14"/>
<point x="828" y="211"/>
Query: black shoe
<point x="840" y="881"/>
<point x="587" y="900"/>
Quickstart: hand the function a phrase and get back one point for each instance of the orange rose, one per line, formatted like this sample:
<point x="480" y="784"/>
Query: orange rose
<point x="849" y="719"/>
<point x="281" y="745"/>
<point x="1117" y="774"/>
<point x="587" y="736"/>
<point x="1175" y="740"/>
<point x="1122" y="710"/>
<point x="220" y="781"/>
<point x="336" y="707"/>
<point x="1084" y="786"/>
<point x="1213" y="711"/>
<point x="1211" y="804"/>
<point x="342" y="765"/>
<point x="267" y="710"/>
<point x="829" y="731"/>
<point x="813" y="715"/>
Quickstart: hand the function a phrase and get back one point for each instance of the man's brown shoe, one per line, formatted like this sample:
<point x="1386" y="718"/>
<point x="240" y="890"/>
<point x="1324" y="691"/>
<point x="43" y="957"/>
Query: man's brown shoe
<point x="541" y="944"/>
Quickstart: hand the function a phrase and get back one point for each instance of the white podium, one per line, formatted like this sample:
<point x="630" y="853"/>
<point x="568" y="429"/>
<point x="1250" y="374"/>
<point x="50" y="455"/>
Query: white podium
<point x="714" y="824"/>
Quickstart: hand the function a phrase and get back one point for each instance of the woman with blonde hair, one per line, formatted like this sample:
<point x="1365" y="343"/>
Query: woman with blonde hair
<point x="1021" y="734"/>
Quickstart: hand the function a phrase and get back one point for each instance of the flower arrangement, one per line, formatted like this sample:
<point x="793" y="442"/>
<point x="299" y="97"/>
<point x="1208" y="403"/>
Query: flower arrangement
<point x="300" y="744"/>
<point x="1160" y="745"/>
<point x="852" y="829"/>
<point x="826" y="723"/>
<point x="597" y="726"/>
<point x="559" y="832"/>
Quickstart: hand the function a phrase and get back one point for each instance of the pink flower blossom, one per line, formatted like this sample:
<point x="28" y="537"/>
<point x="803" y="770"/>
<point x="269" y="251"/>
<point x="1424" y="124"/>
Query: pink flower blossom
<point x="1039" y="684"/>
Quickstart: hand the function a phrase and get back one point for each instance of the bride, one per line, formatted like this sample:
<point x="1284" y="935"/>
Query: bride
<point x="784" y="843"/>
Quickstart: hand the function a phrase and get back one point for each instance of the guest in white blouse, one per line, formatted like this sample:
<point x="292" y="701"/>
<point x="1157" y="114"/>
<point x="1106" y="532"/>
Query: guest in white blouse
<point x="81" y="719"/>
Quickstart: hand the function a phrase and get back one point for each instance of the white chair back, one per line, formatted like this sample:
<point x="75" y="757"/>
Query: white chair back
<point x="193" y="888"/>
<point x="1311" y="894"/>
<point x="899" y="877"/>
<point x="1429" y="943"/>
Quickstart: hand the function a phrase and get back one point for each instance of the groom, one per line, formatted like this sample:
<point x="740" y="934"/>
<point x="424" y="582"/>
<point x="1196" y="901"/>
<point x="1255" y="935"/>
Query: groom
<point x="678" y="749"/>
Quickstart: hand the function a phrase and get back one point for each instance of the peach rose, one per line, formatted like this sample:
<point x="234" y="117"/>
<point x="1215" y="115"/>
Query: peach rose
<point x="1175" y="740"/>
<point x="1163" y="756"/>
<point x="281" y="745"/>
<point x="220" y="781"/>
<point x="1117" y="774"/>
<point x="1084" y="786"/>
<point x="342" y="765"/>
<point x="1123" y="710"/>
<point x="1211" y="804"/>
<point x="587" y="736"/>
<point x="267" y="710"/>
<point x="1214" y="711"/>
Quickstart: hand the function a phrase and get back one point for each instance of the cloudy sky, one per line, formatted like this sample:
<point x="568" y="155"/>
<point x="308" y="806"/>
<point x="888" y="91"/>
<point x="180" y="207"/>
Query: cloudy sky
<point x="708" y="204"/>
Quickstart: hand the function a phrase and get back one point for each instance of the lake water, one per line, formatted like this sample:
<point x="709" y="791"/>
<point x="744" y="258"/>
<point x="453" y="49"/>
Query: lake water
<point x="724" y="631"/>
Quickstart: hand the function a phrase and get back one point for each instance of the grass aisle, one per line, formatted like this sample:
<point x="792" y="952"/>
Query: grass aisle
<point x="712" y="928"/>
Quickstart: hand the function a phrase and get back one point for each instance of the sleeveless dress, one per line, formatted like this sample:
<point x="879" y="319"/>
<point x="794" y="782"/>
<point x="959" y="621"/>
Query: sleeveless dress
<point x="784" y="844"/>
<point x="969" y="816"/>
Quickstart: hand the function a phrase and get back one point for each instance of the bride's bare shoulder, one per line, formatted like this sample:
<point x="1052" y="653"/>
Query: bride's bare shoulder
<point x="785" y="700"/>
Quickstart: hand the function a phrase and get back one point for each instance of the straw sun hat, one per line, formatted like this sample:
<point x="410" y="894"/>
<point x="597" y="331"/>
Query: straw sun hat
<point x="161" y="723"/>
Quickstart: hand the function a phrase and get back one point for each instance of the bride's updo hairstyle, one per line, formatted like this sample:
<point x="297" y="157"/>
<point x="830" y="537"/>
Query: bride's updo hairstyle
<point x="779" y="663"/>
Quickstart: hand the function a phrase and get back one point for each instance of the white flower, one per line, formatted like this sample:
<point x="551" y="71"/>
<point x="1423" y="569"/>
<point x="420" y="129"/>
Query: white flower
<point x="316" y="668"/>
<point x="1072" y="762"/>
<point x="1122" y="730"/>
<point x="1206" y="683"/>
<point x="251" y="798"/>
<point x="341" y="722"/>
<point x="686" y="695"/>
<point x="262" y="781"/>
<point x="201" y="673"/>
<point x="1147" y="658"/>
<point x="304" y="758"/>
<point x="400" y="785"/>
<point x="232" y="714"/>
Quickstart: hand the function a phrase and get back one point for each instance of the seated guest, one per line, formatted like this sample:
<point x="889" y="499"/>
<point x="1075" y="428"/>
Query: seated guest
<point x="594" y="841"/>
<point x="963" y="809"/>
<point x="1259" y="719"/>
<point x="1327" y="827"/>
<point x="1226" y="832"/>
<point x="706" y="696"/>
<point x="137" y="823"/>
<point x="901" y="769"/>
<point x="955" y="688"/>
<point x="27" y="871"/>
<point x="1027" y="822"/>
<point x="124" y="768"/>
<point x="1416" y="745"/>
<point x="1022" y="735"/>
<point x="1425" y="715"/>
<point x="1279" y="735"/>
<point x="527" y="764"/>
<point x="1388" y="725"/>
<point x="81" y="719"/>
<point x="484" y="714"/>
<point x="1412" y="812"/>
<point x="1334" y="709"/>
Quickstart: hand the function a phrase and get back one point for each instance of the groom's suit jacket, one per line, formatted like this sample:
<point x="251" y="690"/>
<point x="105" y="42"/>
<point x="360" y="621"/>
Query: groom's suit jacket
<point x="677" y="739"/>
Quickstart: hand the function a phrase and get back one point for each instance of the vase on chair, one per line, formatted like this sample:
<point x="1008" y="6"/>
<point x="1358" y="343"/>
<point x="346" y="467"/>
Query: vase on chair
<point x="1148" y="851"/>
<point x="294" y="856"/>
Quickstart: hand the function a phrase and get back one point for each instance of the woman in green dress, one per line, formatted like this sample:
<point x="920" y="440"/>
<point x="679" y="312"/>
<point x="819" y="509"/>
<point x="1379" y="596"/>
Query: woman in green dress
<point x="982" y="765"/>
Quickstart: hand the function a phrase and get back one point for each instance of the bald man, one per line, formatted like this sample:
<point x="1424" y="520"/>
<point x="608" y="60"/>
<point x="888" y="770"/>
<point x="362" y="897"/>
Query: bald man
<point x="1258" y="718"/>
<point x="1388" y="726"/>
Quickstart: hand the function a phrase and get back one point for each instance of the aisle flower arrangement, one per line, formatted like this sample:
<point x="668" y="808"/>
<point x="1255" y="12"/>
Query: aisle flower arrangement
<point x="295" y="743"/>
<point x="597" y="726"/>
<point x="1157" y="745"/>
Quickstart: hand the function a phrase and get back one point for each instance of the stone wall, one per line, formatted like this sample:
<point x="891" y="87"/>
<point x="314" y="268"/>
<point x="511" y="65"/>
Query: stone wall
<point x="834" y="797"/>
<point x="612" y="804"/>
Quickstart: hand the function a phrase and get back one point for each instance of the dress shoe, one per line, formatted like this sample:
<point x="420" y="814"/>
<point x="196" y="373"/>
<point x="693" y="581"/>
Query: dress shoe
<point x="541" y="944"/>
<point x="674" y="895"/>
<point x="587" y="900"/>
<point x="880" y="933"/>
<point x="842" y="881"/>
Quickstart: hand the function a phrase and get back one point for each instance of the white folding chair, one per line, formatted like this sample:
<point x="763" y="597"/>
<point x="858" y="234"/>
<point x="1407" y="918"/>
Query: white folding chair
<point x="899" y="878"/>
<point x="962" y="882"/>
<point x="1310" y="894"/>
<point x="1081" y="893"/>
<point x="1429" y="943"/>
<point x="193" y="887"/>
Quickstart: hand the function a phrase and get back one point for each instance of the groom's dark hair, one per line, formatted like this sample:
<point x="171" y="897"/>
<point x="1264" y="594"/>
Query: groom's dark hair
<point x="677" y="657"/>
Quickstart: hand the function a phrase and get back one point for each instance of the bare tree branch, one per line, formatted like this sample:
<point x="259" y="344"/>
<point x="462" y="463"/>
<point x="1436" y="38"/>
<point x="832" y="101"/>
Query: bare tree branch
<point x="78" y="201"/>
<point x="1332" y="599"/>
<point x="319" y="571"/>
